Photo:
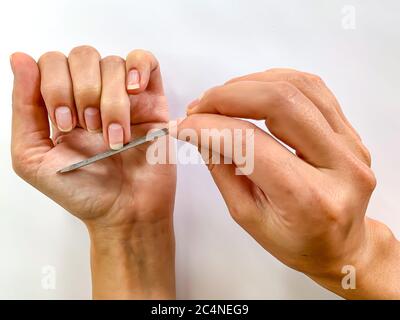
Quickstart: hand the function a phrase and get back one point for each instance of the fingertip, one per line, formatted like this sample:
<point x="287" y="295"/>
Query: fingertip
<point x="115" y="136"/>
<point x="139" y="66"/>
<point x="92" y="119"/>
<point x="64" y="119"/>
<point x="26" y="79"/>
<point x="18" y="59"/>
<point x="133" y="81"/>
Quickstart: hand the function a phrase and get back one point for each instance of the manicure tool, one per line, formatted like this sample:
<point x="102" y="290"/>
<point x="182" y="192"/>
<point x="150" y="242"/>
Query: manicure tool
<point x="134" y="143"/>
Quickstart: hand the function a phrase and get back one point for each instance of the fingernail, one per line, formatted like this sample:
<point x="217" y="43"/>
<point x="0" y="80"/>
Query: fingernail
<point x="92" y="119"/>
<point x="64" y="119"/>
<point x="115" y="136"/>
<point x="133" y="80"/>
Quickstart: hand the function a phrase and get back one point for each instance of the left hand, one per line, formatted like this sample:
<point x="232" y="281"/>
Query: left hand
<point x="92" y="106"/>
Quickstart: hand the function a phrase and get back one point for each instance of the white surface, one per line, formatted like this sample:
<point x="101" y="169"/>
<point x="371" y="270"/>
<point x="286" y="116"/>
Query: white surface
<point x="200" y="44"/>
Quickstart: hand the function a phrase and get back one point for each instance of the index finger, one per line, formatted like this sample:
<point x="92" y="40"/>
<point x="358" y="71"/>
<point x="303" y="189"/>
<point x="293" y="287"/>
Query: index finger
<point x="288" y="114"/>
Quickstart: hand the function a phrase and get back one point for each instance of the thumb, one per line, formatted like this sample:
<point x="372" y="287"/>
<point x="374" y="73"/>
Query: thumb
<point x="30" y="126"/>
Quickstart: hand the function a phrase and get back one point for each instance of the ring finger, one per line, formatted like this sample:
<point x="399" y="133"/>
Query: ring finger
<point x="114" y="104"/>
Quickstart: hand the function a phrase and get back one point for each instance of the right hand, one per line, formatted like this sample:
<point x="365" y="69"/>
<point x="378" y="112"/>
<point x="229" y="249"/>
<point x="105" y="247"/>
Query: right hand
<point x="307" y="209"/>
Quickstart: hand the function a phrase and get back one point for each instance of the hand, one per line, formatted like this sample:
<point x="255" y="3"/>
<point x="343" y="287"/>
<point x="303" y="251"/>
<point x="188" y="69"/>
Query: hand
<point x="126" y="203"/>
<point x="306" y="208"/>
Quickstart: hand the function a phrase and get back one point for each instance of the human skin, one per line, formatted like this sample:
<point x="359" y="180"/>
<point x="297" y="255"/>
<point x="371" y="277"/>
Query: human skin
<point x="126" y="203"/>
<point x="306" y="208"/>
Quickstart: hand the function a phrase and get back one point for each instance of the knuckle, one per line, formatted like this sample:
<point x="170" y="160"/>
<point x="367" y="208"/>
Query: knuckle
<point x="113" y="60"/>
<point x="306" y="80"/>
<point x="279" y="70"/>
<point x="364" y="177"/>
<point x="310" y="81"/>
<point x="371" y="181"/>
<point x="87" y="91"/>
<point x="140" y="54"/>
<point x="54" y="90"/>
<point x="272" y="70"/>
<point x="84" y="51"/>
<point x="285" y="92"/>
<point x="329" y="210"/>
<point x="234" y="80"/>
<point x="51" y="55"/>
<point x="311" y="78"/>
<point x="140" y="57"/>
<point x="239" y="214"/>
<point x="333" y="210"/>
<point x="365" y="154"/>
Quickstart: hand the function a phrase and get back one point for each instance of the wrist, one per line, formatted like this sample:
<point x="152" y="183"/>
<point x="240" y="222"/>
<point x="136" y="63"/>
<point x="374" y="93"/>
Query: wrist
<point x="372" y="263"/>
<point x="135" y="261"/>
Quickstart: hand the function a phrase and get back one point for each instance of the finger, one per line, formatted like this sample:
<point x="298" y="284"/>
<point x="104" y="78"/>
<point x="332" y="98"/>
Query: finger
<point x="30" y="126"/>
<point x="114" y="104"/>
<point x="311" y="86"/>
<point x="143" y="74"/>
<point x="84" y="65"/>
<point x="267" y="163"/>
<point x="56" y="88"/>
<point x="315" y="89"/>
<point x="289" y="115"/>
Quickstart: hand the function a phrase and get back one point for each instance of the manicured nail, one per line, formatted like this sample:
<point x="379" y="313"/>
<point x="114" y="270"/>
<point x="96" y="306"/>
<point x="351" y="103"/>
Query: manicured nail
<point x="92" y="119"/>
<point x="133" y="80"/>
<point x="116" y="136"/>
<point x="64" y="119"/>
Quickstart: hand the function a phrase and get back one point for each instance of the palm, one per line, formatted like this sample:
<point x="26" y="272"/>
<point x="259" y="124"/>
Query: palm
<point x="105" y="187"/>
<point x="116" y="188"/>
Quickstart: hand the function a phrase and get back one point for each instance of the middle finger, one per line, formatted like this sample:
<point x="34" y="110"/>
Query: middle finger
<point x="84" y="65"/>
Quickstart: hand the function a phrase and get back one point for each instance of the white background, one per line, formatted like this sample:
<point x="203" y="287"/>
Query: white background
<point x="200" y="44"/>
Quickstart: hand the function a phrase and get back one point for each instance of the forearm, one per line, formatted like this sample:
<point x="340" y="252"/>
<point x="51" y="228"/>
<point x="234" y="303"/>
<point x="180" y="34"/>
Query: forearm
<point x="376" y="266"/>
<point x="137" y="262"/>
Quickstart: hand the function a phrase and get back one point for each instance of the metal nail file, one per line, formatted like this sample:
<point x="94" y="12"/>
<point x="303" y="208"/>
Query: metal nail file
<point x="134" y="143"/>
